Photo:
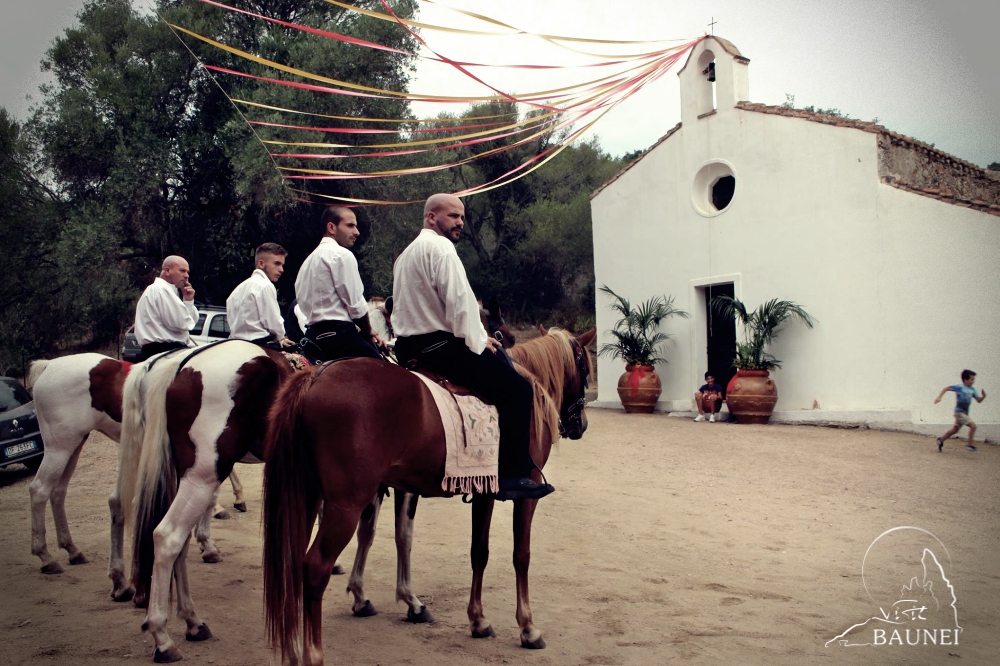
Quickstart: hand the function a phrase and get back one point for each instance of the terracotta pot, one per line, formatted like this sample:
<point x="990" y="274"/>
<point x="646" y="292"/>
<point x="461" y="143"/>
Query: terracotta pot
<point x="751" y="396"/>
<point x="639" y="389"/>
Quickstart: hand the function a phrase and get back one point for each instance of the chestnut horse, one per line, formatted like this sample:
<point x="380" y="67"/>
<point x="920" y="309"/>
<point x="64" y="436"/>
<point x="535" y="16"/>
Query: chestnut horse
<point x="186" y="422"/>
<point x="330" y="446"/>
<point x="75" y="395"/>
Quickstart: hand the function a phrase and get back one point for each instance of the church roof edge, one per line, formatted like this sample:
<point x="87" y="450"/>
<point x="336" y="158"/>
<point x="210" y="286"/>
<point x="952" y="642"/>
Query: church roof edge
<point x="634" y="162"/>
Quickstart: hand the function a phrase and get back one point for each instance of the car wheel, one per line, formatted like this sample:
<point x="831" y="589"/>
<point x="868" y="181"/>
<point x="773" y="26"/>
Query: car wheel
<point x="33" y="464"/>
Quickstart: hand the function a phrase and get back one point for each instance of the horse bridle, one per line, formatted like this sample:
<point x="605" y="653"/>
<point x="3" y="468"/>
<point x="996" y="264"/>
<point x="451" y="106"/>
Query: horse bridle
<point x="571" y="415"/>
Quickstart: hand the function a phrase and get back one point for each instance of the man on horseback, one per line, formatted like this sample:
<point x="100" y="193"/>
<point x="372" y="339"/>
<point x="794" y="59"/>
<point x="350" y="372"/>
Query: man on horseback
<point x="162" y="319"/>
<point x="330" y="293"/>
<point x="252" y="308"/>
<point x="436" y="319"/>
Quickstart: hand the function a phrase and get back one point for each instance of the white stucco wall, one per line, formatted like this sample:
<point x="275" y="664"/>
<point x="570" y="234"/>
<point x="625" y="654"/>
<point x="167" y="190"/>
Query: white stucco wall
<point x="904" y="287"/>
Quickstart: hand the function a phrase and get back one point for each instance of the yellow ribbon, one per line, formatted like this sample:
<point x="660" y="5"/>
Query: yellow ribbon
<point x="354" y="86"/>
<point x="554" y="39"/>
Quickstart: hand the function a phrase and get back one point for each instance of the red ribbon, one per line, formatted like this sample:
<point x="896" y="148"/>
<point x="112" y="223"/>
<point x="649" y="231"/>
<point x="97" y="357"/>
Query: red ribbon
<point x="637" y="375"/>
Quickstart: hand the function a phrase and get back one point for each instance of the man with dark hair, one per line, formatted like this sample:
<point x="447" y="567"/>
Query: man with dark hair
<point x="964" y="394"/>
<point x="436" y="319"/>
<point x="252" y="309"/>
<point x="162" y="320"/>
<point x="330" y="293"/>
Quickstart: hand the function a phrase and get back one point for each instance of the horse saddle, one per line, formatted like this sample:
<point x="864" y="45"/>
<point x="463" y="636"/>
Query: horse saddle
<point x="472" y="436"/>
<point x="447" y="385"/>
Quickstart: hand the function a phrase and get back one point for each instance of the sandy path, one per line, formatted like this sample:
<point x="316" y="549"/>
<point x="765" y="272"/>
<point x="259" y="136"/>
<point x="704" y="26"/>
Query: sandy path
<point x="706" y="543"/>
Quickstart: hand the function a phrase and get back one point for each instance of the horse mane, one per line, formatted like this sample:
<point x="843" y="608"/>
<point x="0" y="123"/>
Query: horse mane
<point x="548" y="362"/>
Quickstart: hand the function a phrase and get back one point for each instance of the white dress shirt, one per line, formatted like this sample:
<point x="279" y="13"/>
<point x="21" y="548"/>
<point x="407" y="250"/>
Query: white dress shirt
<point x="161" y="315"/>
<point x="328" y="286"/>
<point x="300" y="317"/>
<point x="431" y="292"/>
<point x="252" y="309"/>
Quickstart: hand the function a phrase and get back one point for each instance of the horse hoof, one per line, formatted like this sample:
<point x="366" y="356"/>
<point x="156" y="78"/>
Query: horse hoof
<point x="337" y="570"/>
<point x="125" y="594"/>
<point x="241" y="507"/>
<point x="168" y="656"/>
<point x="423" y="617"/>
<point x="79" y="558"/>
<point x="140" y="601"/>
<point x="211" y="558"/>
<point x="201" y="633"/>
<point x="484" y="633"/>
<point x="222" y="515"/>
<point x="367" y="610"/>
<point x="52" y="568"/>
<point x="537" y="644"/>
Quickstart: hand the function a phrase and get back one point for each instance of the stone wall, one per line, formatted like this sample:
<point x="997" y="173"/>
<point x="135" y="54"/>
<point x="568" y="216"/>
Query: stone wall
<point x="916" y="167"/>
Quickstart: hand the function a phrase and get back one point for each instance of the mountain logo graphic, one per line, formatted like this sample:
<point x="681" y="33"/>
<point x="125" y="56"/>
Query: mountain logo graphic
<point x="923" y="612"/>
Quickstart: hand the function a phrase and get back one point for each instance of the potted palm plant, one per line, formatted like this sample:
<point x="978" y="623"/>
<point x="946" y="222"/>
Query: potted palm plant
<point x="751" y="394"/>
<point x="638" y="341"/>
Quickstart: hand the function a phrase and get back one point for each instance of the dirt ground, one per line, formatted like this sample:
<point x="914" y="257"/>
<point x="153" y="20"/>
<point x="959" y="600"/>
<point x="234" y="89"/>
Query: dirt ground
<point x="667" y="540"/>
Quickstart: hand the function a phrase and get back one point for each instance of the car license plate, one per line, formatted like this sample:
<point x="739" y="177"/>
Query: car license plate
<point x="20" y="448"/>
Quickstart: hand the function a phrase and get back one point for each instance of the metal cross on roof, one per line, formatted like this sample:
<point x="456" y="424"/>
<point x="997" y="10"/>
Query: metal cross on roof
<point x="712" y="25"/>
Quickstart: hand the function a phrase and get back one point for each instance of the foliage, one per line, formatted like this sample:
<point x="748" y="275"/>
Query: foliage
<point x="994" y="166"/>
<point x="789" y="103"/>
<point x="145" y="156"/>
<point x="637" y="338"/>
<point x="760" y="328"/>
<point x="28" y="233"/>
<point x="134" y="153"/>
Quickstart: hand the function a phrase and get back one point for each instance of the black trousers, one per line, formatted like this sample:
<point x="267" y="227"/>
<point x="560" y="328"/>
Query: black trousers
<point x="154" y="348"/>
<point x="492" y="377"/>
<point x="340" y="339"/>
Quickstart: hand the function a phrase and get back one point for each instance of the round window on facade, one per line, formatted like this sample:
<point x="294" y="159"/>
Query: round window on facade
<point x="713" y="188"/>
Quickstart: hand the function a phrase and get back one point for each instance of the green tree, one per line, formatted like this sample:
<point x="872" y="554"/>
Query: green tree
<point x="28" y="233"/>
<point x="150" y="157"/>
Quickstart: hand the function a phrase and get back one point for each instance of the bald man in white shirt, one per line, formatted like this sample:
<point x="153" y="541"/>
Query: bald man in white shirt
<point x="436" y="319"/>
<point x="330" y="293"/>
<point x="252" y="309"/>
<point x="162" y="320"/>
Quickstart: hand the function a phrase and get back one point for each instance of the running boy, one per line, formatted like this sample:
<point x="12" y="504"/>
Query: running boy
<point x="964" y="393"/>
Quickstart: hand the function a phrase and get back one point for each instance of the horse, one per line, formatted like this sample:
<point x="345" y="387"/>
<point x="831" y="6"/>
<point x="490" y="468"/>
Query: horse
<point x="186" y="421"/>
<point x="492" y="318"/>
<point x="75" y="395"/>
<point x="329" y="448"/>
<point x="405" y="509"/>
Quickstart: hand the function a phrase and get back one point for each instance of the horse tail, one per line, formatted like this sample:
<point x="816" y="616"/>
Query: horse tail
<point x="291" y="493"/>
<point x="130" y="444"/>
<point x="153" y="484"/>
<point x="34" y="372"/>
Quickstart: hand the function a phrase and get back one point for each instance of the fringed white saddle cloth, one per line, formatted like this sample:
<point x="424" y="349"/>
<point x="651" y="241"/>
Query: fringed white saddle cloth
<point x="472" y="441"/>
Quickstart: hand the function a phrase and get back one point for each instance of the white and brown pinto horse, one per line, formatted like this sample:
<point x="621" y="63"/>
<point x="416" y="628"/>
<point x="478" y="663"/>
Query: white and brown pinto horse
<point x="75" y="395"/>
<point x="187" y="420"/>
<point x="335" y="436"/>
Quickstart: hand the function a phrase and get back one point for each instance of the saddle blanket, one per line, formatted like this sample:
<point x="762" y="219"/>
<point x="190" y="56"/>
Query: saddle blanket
<point x="472" y="441"/>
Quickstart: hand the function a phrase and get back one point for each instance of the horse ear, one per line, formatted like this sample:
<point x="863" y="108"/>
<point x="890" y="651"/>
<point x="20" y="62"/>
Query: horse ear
<point x="493" y="305"/>
<point x="541" y="329"/>
<point x="588" y="337"/>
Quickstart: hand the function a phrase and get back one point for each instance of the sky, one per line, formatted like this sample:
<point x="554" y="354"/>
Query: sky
<point x="923" y="68"/>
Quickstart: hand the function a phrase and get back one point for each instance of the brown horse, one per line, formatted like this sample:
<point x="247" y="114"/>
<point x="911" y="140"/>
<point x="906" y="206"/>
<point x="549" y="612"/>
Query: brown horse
<point x="330" y="445"/>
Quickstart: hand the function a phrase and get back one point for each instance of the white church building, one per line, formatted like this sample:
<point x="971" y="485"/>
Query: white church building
<point x="892" y="245"/>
